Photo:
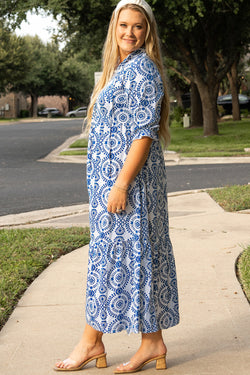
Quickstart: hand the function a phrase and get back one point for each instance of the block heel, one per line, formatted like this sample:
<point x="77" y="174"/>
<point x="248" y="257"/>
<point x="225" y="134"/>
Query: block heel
<point x="101" y="362"/>
<point x="161" y="363"/>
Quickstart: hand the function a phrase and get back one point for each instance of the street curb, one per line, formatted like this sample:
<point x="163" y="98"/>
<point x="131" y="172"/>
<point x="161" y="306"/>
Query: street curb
<point x="36" y="119"/>
<point x="38" y="216"/>
<point x="55" y="157"/>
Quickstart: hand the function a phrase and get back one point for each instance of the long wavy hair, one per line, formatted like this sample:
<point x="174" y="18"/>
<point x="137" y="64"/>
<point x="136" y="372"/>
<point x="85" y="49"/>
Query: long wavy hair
<point x="111" y="59"/>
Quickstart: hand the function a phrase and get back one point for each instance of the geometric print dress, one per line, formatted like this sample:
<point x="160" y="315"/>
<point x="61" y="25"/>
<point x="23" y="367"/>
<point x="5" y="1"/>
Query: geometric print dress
<point x="131" y="281"/>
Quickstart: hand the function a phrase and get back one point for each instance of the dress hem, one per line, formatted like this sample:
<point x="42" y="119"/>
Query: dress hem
<point x="133" y="331"/>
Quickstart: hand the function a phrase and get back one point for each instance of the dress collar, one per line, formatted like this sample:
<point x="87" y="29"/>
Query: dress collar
<point x="131" y="55"/>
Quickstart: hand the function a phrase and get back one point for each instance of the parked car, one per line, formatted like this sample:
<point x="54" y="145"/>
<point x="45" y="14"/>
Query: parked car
<point x="226" y="102"/>
<point x="49" y="112"/>
<point x="79" y="112"/>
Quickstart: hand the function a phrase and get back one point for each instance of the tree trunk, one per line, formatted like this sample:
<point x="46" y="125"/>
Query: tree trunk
<point x="34" y="101"/>
<point x="178" y="98"/>
<point x="233" y="81"/>
<point x="208" y="94"/>
<point x="196" y="106"/>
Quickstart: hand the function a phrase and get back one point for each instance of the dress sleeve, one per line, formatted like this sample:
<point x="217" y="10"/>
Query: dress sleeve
<point x="145" y="98"/>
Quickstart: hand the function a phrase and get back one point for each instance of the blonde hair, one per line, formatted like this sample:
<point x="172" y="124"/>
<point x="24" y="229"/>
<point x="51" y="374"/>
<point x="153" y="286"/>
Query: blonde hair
<point x="111" y="58"/>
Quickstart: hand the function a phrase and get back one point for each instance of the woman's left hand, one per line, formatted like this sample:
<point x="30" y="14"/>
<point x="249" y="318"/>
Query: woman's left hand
<point x="117" y="200"/>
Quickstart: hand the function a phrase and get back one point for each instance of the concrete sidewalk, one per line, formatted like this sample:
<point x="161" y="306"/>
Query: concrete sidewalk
<point x="213" y="336"/>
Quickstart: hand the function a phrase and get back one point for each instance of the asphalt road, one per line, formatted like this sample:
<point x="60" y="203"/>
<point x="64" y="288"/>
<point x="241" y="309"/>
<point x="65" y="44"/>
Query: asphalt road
<point x="27" y="185"/>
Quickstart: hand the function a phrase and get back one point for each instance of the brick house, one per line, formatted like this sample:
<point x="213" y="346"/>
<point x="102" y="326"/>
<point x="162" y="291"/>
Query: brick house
<point x="12" y="104"/>
<point x="59" y="102"/>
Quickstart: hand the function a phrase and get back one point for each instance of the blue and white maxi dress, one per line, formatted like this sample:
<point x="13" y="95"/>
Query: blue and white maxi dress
<point x="131" y="281"/>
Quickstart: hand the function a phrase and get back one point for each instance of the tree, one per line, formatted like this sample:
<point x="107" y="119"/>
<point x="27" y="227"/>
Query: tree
<point x="13" y="58"/>
<point x="77" y="77"/>
<point x="196" y="107"/>
<point x="232" y="76"/>
<point x="14" y="11"/>
<point x="77" y="17"/>
<point x="42" y="78"/>
<point x="177" y="80"/>
<point x="177" y="73"/>
<point x="81" y="56"/>
<point x="199" y="33"/>
<point x="55" y="72"/>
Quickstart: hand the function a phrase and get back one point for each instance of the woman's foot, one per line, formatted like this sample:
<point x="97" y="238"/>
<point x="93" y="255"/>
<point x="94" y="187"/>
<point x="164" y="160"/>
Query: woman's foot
<point x="88" y="347"/>
<point x="152" y="346"/>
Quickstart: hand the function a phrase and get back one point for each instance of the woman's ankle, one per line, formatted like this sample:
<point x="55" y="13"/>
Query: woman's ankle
<point x="92" y="336"/>
<point x="154" y="340"/>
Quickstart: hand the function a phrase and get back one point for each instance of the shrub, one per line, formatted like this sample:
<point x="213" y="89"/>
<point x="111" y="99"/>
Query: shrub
<point x="245" y="113"/>
<point x="24" y="113"/>
<point x="177" y="114"/>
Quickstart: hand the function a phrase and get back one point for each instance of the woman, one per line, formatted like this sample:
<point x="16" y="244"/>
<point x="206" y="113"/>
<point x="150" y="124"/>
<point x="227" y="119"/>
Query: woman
<point x="131" y="283"/>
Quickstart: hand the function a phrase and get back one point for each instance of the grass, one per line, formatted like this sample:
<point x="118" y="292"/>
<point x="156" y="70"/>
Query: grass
<point x="74" y="152"/>
<point x="79" y="143"/>
<point x="243" y="271"/>
<point x="8" y="119"/>
<point x="25" y="253"/>
<point x="82" y="142"/>
<point x="232" y="198"/>
<point x="233" y="137"/>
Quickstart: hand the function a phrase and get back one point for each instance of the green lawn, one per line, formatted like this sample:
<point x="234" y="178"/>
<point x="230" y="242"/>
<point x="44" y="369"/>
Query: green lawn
<point x="233" y="137"/>
<point x="79" y="143"/>
<point x="25" y="253"/>
<point x="3" y="120"/>
<point x="74" y="152"/>
<point x="82" y="142"/>
<point x="232" y="198"/>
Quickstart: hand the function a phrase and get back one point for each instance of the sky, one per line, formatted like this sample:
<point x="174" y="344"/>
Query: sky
<point x="41" y="25"/>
